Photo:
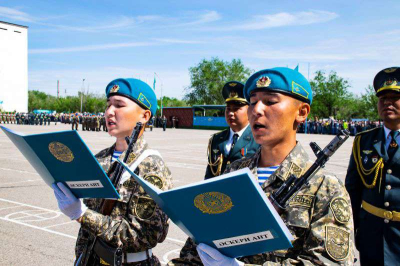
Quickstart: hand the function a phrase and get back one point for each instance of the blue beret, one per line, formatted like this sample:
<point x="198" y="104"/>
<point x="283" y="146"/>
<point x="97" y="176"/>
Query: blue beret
<point x="280" y="79"/>
<point x="233" y="92"/>
<point x="387" y="79"/>
<point x="136" y="90"/>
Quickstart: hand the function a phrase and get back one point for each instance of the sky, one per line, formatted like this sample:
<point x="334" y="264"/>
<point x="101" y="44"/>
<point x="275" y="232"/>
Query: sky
<point x="100" y="40"/>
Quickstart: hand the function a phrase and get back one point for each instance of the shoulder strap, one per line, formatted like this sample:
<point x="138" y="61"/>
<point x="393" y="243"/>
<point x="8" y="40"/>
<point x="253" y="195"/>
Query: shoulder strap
<point x="133" y="167"/>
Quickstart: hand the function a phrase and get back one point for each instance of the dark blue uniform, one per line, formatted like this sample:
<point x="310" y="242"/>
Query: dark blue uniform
<point x="218" y="158"/>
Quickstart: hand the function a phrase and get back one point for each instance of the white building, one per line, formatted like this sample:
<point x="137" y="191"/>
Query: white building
<point x="13" y="67"/>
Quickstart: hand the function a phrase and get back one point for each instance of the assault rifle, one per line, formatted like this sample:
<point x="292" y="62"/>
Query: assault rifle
<point x="111" y="255"/>
<point x="293" y="184"/>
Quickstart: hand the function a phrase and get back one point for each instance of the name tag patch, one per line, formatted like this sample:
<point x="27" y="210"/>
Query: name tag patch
<point x="85" y="184"/>
<point x="304" y="200"/>
<point x="244" y="239"/>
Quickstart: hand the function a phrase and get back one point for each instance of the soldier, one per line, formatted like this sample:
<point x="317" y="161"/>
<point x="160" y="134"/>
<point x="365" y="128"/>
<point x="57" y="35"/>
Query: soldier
<point x="373" y="178"/>
<point x="84" y="121"/>
<point x="97" y="119"/>
<point x="136" y="223"/>
<point x="236" y="141"/>
<point x="103" y="122"/>
<point x="319" y="217"/>
<point x="164" y="122"/>
<point x="74" y="121"/>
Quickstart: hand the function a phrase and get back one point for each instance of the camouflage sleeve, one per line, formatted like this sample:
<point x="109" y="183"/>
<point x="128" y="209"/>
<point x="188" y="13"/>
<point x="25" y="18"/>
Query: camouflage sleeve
<point x="142" y="224"/>
<point x="323" y="234"/>
<point x="329" y="237"/>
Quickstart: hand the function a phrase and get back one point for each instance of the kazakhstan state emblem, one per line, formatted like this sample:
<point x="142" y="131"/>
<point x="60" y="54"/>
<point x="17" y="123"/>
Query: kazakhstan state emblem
<point x="114" y="89"/>
<point x="263" y="82"/>
<point x="213" y="202"/>
<point x="61" y="152"/>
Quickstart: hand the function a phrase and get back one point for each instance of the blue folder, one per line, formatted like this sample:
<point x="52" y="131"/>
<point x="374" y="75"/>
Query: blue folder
<point x="64" y="157"/>
<point x="230" y="212"/>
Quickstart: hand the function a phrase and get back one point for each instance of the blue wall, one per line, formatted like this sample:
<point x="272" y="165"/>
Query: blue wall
<point x="209" y="121"/>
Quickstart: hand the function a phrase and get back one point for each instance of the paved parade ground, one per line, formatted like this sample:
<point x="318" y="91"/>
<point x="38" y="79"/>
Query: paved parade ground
<point x="34" y="232"/>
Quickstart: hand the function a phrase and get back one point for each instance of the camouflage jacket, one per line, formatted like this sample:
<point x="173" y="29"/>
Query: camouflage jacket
<point x="319" y="218"/>
<point x="142" y="224"/>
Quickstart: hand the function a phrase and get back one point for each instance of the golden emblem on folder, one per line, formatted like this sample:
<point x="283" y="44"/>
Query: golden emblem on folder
<point x="61" y="152"/>
<point x="213" y="202"/>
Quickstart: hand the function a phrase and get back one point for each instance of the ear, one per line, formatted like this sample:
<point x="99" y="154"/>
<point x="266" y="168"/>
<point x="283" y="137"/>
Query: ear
<point x="146" y="115"/>
<point x="303" y="112"/>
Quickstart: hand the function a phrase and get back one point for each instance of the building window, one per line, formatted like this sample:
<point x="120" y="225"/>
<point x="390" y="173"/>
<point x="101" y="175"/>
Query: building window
<point x="17" y="31"/>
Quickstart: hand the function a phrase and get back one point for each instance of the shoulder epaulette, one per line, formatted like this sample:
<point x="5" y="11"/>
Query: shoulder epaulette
<point x="367" y="131"/>
<point x="219" y="132"/>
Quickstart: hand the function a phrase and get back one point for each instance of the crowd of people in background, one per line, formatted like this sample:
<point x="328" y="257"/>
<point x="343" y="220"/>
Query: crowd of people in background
<point x="332" y="126"/>
<point x="97" y="122"/>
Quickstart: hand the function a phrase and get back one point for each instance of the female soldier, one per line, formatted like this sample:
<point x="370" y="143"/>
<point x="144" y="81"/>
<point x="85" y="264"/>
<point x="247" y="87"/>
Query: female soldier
<point x="134" y="223"/>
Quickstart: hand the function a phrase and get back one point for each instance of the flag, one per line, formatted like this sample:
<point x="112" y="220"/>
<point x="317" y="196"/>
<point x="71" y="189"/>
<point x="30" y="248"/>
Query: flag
<point x="154" y="83"/>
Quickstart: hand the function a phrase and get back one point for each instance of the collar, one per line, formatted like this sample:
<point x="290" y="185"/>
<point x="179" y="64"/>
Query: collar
<point x="387" y="132"/>
<point x="240" y="133"/>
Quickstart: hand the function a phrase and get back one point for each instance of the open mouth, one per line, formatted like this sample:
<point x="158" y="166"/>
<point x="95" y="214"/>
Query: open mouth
<point x="111" y="123"/>
<point x="258" y="126"/>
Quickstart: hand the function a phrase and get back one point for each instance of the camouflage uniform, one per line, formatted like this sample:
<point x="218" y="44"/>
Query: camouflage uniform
<point x="319" y="218"/>
<point x="139" y="227"/>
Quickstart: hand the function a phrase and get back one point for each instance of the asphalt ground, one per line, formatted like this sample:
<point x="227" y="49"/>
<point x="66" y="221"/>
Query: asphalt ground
<point x="34" y="232"/>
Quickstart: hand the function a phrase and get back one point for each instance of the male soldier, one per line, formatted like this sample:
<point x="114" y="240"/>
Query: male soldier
<point x="84" y="121"/>
<point x="235" y="142"/>
<point x="74" y="121"/>
<point x="319" y="217"/>
<point x="373" y="178"/>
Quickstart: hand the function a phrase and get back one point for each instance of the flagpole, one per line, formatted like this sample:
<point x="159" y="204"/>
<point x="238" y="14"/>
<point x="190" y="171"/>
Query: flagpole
<point x="161" y="93"/>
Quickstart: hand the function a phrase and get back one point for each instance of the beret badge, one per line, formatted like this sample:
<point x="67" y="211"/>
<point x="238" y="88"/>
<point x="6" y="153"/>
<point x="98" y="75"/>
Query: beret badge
<point x="114" y="89"/>
<point x="233" y="94"/>
<point x="232" y="84"/>
<point x="263" y="82"/>
<point x="390" y="82"/>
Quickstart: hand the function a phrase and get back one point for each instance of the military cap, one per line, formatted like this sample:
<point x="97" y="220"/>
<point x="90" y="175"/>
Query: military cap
<point x="280" y="79"/>
<point x="136" y="90"/>
<point x="387" y="80"/>
<point x="233" y="92"/>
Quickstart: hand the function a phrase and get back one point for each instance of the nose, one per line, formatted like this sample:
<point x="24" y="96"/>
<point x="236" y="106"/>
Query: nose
<point x="110" y="111"/>
<point x="257" y="109"/>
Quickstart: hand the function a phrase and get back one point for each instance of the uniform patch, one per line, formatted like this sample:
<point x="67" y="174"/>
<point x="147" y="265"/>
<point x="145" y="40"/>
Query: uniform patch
<point x="337" y="242"/>
<point x="293" y="169"/>
<point x="155" y="180"/>
<point x="340" y="209"/>
<point x="304" y="200"/>
<point x="145" y="208"/>
<point x="213" y="202"/>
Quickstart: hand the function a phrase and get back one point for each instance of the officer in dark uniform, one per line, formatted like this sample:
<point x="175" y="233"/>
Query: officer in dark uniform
<point x="373" y="178"/>
<point x="235" y="142"/>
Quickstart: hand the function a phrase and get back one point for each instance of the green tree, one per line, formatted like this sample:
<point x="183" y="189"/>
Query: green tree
<point x="369" y="103"/>
<point x="330" y="95"/>
<point x="209" y="76"/>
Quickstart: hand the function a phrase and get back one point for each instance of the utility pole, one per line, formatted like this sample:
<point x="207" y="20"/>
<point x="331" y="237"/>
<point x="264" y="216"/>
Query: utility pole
<point x="161" y="93"/>
<point x="83" y="88"/>
<point x="58" y="89"/>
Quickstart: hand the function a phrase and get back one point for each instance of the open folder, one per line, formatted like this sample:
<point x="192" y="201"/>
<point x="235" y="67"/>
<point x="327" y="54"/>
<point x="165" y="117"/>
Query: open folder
<point x="230" y="212"/>
<point x="64" y="157"/>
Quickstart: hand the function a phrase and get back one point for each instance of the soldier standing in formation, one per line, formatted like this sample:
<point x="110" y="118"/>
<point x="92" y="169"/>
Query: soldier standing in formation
<point x="135" y="223"/>
<point x="235" y="142"/>
<point x="74" y="121"/>
<point x="319" y="217"/>
<point x="373" y="178"/>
